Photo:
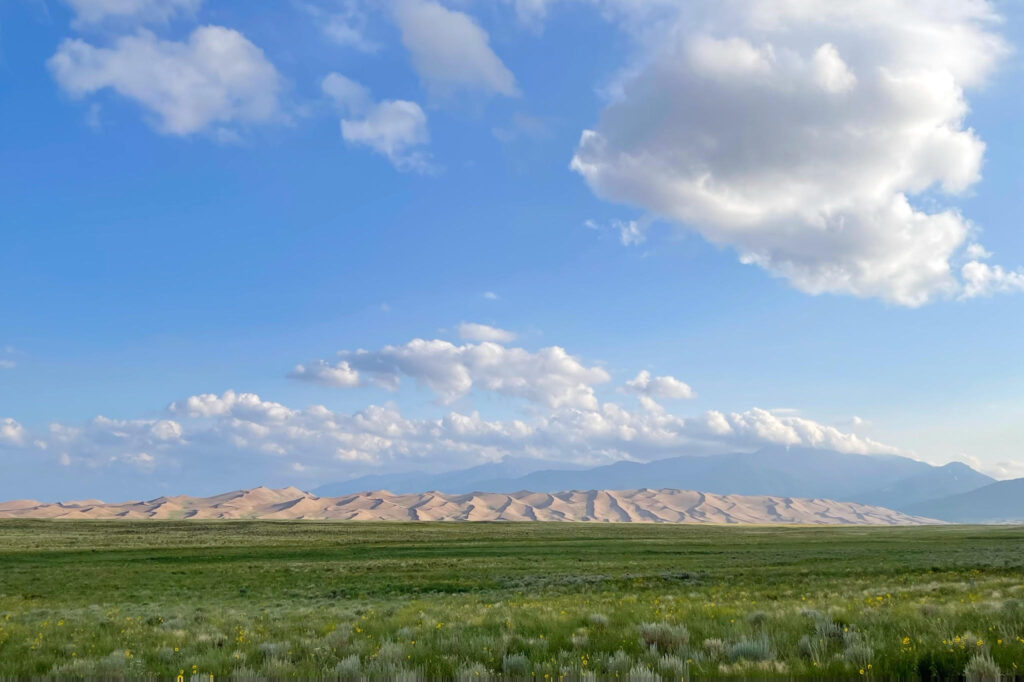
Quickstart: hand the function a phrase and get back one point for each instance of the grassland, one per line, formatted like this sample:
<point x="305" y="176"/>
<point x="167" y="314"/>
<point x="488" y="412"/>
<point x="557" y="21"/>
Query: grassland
<point x="471" y="601"/>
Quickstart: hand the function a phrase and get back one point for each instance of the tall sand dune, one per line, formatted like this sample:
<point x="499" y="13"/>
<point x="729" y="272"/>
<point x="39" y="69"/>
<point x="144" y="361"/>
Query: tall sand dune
<point x="602" y="506"/>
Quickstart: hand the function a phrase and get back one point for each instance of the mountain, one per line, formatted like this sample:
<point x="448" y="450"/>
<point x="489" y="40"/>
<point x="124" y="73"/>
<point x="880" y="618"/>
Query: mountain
<point x="999" y="502"/>
<point x="883" y="480"/>
<point x="608" y="506"/>
<point x="462" y="481"/>
<point x="950" y="479"/>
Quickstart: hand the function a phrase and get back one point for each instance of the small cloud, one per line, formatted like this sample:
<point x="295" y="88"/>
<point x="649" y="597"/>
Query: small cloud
<point x="631" y="232"/>
<point x="11" y="432"/>
<point x="856" y="422"/>
<point x="8" y="364"/>
<point x="394" y="128"/>
<point x="981" y="279"/>
<point x="142" y="11"/>
<point x="142" y="461"/>
<point x="345" y="27"/>
<point x="471" y="331"/>
<point x="647" y="386"/>
<point x="340" y="375"/>
<point x="490" y="296"/>
<point x="977" y="252"/>
<point x="450" y="51"/>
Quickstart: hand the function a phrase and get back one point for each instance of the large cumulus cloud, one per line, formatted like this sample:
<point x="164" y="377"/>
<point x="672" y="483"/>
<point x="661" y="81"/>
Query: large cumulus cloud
<point x="817" y="139"/>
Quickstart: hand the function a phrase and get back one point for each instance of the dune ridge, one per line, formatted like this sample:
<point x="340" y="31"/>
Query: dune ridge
<point x="603" y="506"/>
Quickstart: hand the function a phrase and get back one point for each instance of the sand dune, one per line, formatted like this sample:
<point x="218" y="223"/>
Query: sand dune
<point x="605" y="506"/>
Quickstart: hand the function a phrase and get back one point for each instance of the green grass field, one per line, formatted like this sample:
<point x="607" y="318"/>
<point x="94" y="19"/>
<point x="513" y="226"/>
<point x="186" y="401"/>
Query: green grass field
<point x="469" y="601"/>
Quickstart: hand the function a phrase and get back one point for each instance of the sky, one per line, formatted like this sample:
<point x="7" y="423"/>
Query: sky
<point x="289" y="243"/>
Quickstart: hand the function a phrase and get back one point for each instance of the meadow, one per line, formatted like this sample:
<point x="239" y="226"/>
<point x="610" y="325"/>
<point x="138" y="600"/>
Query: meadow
<point x="251" y="600"/>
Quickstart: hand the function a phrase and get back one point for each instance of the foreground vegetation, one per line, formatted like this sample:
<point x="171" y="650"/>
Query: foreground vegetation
<point x="470" y="601"/>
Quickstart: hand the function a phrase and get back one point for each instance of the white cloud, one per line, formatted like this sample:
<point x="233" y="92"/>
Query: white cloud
<point x="143" y="461"/>
<point x="471" y="331"/>
<point x="11" y="432"/>
<point x="7" y="364"/>
<point x="450" y="51"/>
<point x="318" y="438"/>
<point x="631" y="232"/>
<point x="340" y="374"/>
<point x="565" y="421"/>
<point x="345" y="26"/>
<point x="530" y="12"/>
<point x="977" y="252"/>
<point x="762" y="426"/>
<point x="799" y="134"/>
<point x="548" y="377"/>
<point x="215" y="80"/>
<point x="490" y="296"/>
<point x="245" y="405"/>
<point x="659" y="387"/>
<point x="351" y="97"/>
<point x="982" y="279"/>
<point x="394" y="128"/>
<point x="95" y="11"/>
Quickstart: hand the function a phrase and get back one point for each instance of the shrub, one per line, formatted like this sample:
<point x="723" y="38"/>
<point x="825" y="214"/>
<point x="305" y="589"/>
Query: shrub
<point x="859" y="654"/>
<point x="828" y="629"/>
<point x="598" y="620"/>
<point x="336" y="640"/>
<point x="618" y="663"/>
<point x="981" y="668"/>
<point x="388" y="670"/>
<point x="77" y="668"/>
<point x="475" y="672"/>
<point x="349" y="668"/>
<point x="516" y="665"/>
<point x="759" y="649"/>
<point x="270" y="650"/>
<point x="672" y="667"/>
<point x="715" y="648"/>
<point x="641" y="673"/>
<point x="663" y="636"/>
<point x="276" y="667"/>
<point x="757" y="618"/>
<point x="391" y="652"/>
<point x="115" y="666"/>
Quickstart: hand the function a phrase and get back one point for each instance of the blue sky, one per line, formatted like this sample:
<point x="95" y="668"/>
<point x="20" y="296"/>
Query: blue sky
<point x="190" y="208"/>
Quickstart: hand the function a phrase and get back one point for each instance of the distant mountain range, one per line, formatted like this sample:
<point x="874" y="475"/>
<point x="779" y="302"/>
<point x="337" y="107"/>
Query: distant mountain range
<point x="477" y="478"/>
<point x="773" y="485"/>
<point x="889" y="481"/>
<point x="600" y="506"/>
<point x="999" y="502"/>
